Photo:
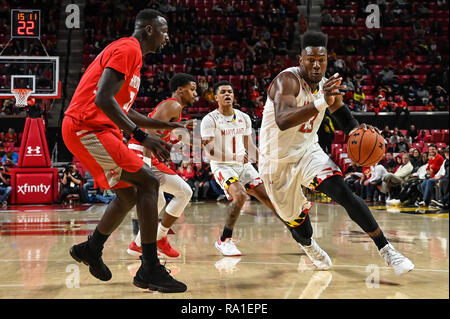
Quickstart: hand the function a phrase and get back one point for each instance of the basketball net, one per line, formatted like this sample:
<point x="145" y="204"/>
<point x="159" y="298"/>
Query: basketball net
<point x="21" y="96"/>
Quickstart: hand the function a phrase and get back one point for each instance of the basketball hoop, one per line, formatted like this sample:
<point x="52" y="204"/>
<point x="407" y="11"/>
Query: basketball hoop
<point x="21" y="96"/>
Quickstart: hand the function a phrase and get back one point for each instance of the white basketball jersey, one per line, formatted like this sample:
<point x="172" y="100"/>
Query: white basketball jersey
<point x="228" y="133"/>
<point x="289" y="145"/>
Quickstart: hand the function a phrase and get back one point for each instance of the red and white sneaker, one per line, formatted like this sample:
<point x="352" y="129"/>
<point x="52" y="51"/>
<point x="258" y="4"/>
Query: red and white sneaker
<point x="134" y="250"/>
<point x="227" y="247"/>
<point x="165" y="249"/>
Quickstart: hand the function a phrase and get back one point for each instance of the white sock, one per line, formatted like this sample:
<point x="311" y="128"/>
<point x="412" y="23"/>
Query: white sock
<point x="162" y="231"/>
<point x="137" y="240"/>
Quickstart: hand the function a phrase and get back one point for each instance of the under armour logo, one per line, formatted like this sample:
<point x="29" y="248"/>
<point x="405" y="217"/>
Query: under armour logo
<point x="36" y="150"/>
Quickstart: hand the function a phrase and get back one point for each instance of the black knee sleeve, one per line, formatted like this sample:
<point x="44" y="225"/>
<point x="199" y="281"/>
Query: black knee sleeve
<point x="356" y="208"/>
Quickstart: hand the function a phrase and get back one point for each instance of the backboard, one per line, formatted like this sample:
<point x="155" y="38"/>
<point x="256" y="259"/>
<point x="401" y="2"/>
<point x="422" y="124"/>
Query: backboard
<point x="40" y="74"/>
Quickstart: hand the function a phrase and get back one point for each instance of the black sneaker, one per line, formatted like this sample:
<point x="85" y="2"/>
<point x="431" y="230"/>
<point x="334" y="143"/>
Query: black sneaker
<point x="157" y="278"/>
<point x="97" y="268"/>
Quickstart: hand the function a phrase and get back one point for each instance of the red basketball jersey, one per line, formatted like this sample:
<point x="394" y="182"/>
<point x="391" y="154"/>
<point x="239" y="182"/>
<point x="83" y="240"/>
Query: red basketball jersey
<point x="165" y="136"/>
<point x="123" y="55"/>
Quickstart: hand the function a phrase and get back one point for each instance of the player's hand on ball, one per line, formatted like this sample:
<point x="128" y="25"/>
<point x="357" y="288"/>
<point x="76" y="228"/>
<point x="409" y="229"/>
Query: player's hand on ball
<point x="158" y="147"/>
<point x="331" y="88"/>
<point x="366" y="127"/>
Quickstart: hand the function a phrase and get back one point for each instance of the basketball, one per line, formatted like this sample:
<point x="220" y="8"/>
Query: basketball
<point x="365" y="147"/>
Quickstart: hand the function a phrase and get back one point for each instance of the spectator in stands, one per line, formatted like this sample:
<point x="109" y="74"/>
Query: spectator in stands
<point x="411" y="95"/>
<point x="358" y="98"/>
<point x="352" y="175"/>
<point x="412" y="132"/>
<point x="71" y="183"/>
<point x="395" y="137"/>
<point x="400" y="176"/>
<point x="435" y="161"/>
<point x="423" y="96"/>
<point x="10" y="158"/>
<point x="401" y="107"/>
<point x="11" y="137"/>
<point x="362" y="184"/>
<point x="442" y="183"/>
<point x="201" y="181"/>
<point x="416" y="159"/>
<point x="203" y="86"/>
<point x="187" y="174"/>
<point x="388" y="162"/>
<point x="377" y="173"/>
<point x="5" y="185"/>
<point x="209" y="95"/>
<point x="88" y="185"/>
<point x="386" y="133"/>
<point x="209" y="67"/>
<point x="402" y="146"/>
<point x="441" y="104"/>
<point x="7" y="107"/>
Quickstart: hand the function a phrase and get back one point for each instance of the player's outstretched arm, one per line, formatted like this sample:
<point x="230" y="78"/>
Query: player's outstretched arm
<point x="284" y="91"/>
<point x="151" y="123"/>
<point x="109" y="84"/>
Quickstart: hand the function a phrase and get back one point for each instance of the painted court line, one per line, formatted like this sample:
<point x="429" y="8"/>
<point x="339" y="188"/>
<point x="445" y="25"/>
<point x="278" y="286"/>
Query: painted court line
<point x="214" y="261"/>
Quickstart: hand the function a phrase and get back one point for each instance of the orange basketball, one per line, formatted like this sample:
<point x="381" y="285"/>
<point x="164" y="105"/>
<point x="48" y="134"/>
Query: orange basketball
<point x="365" y="147"/>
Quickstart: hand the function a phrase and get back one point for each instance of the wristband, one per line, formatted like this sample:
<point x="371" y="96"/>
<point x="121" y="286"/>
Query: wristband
<point x="321" y="104"/>
<point x="139" y="135"/>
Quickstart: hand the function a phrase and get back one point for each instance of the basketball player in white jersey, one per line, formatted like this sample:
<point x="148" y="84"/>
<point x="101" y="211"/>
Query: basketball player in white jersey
<point x="226" y="135"/>
<point x="183" y="87"/>
<point x="290" y="155"/>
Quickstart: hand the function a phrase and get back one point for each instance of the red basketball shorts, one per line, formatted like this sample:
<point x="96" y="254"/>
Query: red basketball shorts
<point x="103" y="153"/>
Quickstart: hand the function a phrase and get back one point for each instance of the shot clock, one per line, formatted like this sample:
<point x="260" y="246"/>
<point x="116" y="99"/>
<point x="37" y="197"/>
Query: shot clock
<point x="25" y="23"/>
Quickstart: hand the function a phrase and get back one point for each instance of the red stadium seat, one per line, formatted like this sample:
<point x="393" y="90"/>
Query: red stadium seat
<point x="339" y="137"/>
<point x="436" y="136"/>
<point x="441" y="146"/>
<point x="445" y="135"/>
<point x="419" y="146"/>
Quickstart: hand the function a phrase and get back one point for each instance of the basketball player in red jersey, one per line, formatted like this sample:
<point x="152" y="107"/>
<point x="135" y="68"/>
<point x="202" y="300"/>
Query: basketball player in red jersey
<point x="184" y="92"/>
<point x="91" y="130"/>
<point x="290" y="155"/>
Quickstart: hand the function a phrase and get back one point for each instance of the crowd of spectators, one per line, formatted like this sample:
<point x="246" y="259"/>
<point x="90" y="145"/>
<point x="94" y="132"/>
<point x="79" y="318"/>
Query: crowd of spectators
<point x="406" y="175"/>
<point x="402" y="64"/>
<point x="250" y="42"/>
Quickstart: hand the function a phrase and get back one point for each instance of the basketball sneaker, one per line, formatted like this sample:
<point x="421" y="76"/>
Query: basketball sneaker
<point x="81" y="253"/>
<point x="318" y="257"/>
<point x="165" y="248"/>
<point x="393" y="258"/>
<point x="134" y="250"/>
<point x="227" y="247"/>
<point x="157" y="278"/>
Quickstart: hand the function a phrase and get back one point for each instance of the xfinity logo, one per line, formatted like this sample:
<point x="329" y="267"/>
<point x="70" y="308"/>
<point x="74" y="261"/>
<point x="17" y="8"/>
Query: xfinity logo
<point x="36" y="150"/>
<point x="24" y="189"/>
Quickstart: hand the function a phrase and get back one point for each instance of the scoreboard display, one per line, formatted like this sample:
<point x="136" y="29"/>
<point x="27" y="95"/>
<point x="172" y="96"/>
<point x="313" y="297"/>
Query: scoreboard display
<point x="25" y="23"/>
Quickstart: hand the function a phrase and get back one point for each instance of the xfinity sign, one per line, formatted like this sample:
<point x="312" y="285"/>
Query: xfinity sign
<point x="26" y="188"/>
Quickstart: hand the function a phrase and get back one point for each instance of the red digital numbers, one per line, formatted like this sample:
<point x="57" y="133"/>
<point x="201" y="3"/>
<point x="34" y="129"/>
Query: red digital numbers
<point x="25" y="24"/>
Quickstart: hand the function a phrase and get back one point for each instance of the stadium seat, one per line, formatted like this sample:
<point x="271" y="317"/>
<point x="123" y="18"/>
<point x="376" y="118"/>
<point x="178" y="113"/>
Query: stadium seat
<point x="445" y="135"/>
<point x="339" y="137"/>
<point x="441" y="146"/>
<point x="436" y="136"/>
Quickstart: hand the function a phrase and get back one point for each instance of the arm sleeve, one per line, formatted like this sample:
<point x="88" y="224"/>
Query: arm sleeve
<point x="124" y="59"/>
<point x="207" y="127"/>
<point x="248" y="123"/>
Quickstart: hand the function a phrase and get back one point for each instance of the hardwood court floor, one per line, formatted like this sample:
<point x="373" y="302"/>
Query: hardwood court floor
<point x="35" y="263"/>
